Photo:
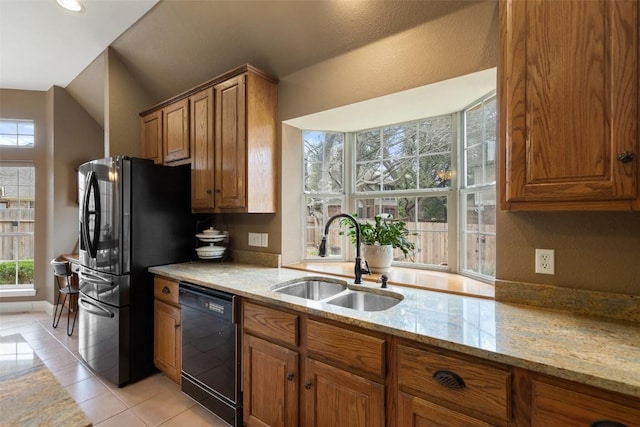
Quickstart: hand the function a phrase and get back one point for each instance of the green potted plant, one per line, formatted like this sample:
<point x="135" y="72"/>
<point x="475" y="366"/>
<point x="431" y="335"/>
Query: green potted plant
<point x="379" y="237"/>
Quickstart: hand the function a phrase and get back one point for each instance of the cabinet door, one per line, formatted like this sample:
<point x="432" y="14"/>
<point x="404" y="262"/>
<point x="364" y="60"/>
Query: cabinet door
<point x="337" y="398"/>
<point x="416" y="412"/>
<point x="270" y="381"/>
<point x="202" y="140"/>
<point x="569" y="104"/>
<point x="151" y="143"/>
<point x="167" y="343"/>
<point x="175" y="120"/>
<point x="230" y="143"/>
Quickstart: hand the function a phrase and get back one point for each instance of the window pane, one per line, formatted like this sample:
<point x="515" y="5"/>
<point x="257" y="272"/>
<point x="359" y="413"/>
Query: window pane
<point x="17" y="189"/>
<point x="16" y="133"/>
<point x="323" y="157"/>
<point x="435" y="171"/>
<point x="400" y="174"/>
<point x="368" y="177"/>
<point x="432" y="245"/>
<point x="319" y="210"/>
<point x="479" y="231"/>
<point x="436" y="135"/>
<point x="399" y="141"/>
<point x="367" y="145"/>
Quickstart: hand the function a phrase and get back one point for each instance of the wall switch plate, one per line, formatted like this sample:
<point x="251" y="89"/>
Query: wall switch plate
<point x="545" y="262"/>
<point x="265" y="240"/>
<point x="255" y="239"/>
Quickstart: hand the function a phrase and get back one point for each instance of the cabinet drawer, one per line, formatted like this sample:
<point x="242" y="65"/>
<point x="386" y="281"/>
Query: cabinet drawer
<point x="552" y="405"/>
<point x="485" y="389"/>
<point x="364" y="353"/>
<point x="416" y="412"/>
<point x="270" y="323"/>
<point x="165" y="290"/>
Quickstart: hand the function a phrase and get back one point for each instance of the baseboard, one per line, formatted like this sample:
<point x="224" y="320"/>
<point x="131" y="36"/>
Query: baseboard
<point x="26" y="306"/>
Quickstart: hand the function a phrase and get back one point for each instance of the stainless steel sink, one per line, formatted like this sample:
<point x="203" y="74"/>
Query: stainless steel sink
<point x="364" y="301"/>
<point x="314" y="289"/>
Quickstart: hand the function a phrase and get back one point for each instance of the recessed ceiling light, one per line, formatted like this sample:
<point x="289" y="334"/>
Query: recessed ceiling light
<point x="72" y="5"/>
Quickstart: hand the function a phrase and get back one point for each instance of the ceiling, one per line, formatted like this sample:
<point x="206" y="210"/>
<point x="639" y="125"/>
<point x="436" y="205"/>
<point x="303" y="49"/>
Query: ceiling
<point x="42" y="44"/>
<point x="173" y="45"/>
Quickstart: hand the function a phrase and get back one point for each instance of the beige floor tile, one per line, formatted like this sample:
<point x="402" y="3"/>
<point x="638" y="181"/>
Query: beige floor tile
<point x="102" y="407"/>
<point x="72" y="374"/>
<point x="196" y="416"/>
<point x="138" y="392"/>
<point x="61" y="363"/>
<point x="162" y="407"/>
<point x="86" y="389"/>
<point x="123" y="419"/>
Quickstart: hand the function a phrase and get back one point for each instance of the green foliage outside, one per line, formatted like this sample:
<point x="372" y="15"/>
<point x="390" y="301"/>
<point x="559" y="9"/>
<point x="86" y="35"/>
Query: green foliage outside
<point x="8" y="272"/>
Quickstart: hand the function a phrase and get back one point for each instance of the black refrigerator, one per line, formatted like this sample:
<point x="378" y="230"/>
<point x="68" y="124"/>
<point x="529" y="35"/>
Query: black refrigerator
<point x="134" y="214"/>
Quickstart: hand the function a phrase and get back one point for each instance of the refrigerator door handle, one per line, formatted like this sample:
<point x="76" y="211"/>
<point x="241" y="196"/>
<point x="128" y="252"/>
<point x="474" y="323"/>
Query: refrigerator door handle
<point x="95" y="279"/>
<point x="89" y="308"/>
<point x="92" y="190"/>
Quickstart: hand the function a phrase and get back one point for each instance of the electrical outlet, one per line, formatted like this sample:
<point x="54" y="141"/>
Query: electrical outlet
<point x="255" y="239"/>
<point x="545" y="263"/>
<point x="265" y="240"/>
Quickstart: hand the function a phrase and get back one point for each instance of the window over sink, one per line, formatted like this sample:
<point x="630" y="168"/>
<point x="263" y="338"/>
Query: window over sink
<point x="435" y="173"/>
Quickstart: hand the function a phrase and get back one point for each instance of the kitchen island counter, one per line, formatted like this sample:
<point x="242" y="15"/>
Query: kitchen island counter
<point x="589" y="350"/>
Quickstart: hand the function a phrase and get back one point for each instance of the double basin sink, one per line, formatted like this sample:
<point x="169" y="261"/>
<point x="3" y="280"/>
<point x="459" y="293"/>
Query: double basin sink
<point x="336" y="292"/>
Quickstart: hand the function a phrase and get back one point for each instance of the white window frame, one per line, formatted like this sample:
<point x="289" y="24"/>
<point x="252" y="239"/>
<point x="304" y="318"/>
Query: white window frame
<point x="9" y="159"/>
<point x="455" y="194"/>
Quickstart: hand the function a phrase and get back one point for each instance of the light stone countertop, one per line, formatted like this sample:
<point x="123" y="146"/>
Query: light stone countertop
<point x="594" y="351"/>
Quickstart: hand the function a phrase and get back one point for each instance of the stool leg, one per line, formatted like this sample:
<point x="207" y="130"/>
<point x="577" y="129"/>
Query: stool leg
<point x="75" y="316"/>
<point x="56" y="321"/>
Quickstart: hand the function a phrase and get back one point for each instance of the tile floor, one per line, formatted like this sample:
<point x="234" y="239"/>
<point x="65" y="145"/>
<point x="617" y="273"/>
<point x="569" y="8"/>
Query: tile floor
<point x="154" y="401"/>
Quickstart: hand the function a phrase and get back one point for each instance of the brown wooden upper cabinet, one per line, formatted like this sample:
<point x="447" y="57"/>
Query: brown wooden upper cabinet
<point x="568" y="85"/>
<point x="175" y="135"/>
<point x="230" y="141"/>
<point x="151" y="144"/>
<point x="234" y="145"/>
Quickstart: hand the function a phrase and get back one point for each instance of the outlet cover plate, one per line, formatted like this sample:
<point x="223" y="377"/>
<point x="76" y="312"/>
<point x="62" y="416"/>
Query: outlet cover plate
<point x="545" y="261"/>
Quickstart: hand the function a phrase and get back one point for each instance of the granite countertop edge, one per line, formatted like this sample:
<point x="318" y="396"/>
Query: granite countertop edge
<point x="595" y="351"/>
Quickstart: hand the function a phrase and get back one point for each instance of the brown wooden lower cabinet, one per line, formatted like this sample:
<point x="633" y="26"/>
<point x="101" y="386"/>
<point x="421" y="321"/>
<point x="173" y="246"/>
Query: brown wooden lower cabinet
<point x="338" y="398"/>
<point x="270" y="394"/>
<point x="304" y="371"/>
<point x="167" y="340"/>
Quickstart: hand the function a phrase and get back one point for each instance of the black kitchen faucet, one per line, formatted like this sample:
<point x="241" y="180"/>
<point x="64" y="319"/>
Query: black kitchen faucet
<point x="359" y="269"/>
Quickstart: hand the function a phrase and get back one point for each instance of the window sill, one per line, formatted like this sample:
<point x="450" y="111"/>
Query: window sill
<point x="8" y="293"/>
<point x="410" y="277"/>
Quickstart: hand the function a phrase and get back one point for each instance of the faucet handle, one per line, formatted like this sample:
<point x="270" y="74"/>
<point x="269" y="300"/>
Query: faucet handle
<point x="364" y="267"/>
<point x="384" y="279"/>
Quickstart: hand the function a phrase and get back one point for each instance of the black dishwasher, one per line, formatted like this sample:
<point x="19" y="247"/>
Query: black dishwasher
<point x="211" y="351"/>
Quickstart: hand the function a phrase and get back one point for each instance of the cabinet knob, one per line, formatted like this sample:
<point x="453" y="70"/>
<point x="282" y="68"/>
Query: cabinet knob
<point x="606" y="423"/>
<point x="166" y="290"/>
<point x="209" y="191"/>
<point x="290" y="376"/>
<point x="218" y="190"/>
<point x="448" y="379"/>
<point x="307" y="384"/>
<point x="177" y="325"/>
<point x="625" y="157"/>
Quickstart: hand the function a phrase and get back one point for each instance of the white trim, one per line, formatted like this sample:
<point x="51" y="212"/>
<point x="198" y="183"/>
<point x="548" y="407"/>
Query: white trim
<point x="17" y="292"/>
<point x="26" y="306"/>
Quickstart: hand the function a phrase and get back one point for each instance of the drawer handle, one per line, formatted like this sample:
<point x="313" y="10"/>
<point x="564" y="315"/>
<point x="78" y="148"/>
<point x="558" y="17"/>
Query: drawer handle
<point x="166" y="290"/>
<point x="606" y="423"/>
<point x="448" y="379"/>
<point x="290" y="376"/>
<point x="307" y="384"/>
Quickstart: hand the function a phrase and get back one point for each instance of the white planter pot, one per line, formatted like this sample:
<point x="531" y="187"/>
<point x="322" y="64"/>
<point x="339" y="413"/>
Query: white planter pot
<point x="378" y="257"/>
